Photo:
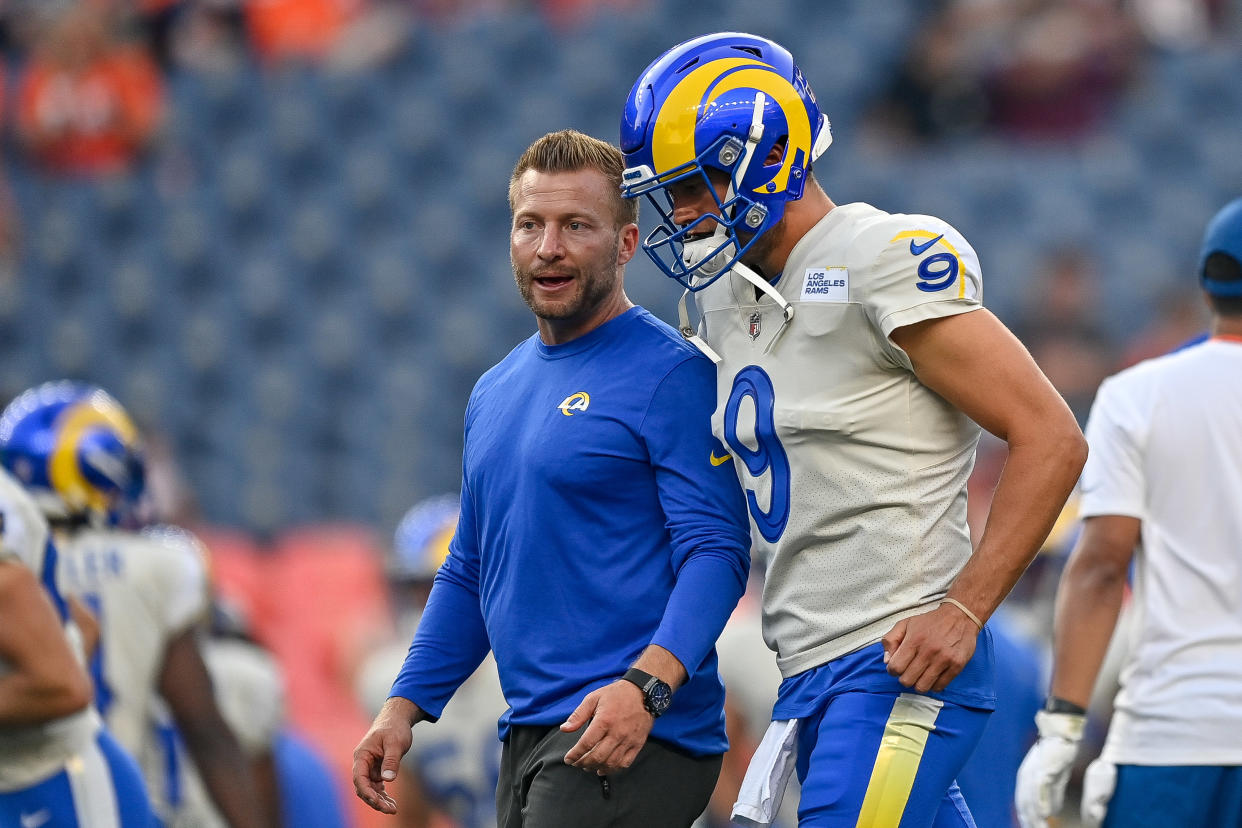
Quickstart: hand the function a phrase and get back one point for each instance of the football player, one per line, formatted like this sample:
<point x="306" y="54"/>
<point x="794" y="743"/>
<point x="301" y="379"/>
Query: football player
<point x="856" y="365"/>
<point x="58" y="766"/>
<point x="77" y="452"/>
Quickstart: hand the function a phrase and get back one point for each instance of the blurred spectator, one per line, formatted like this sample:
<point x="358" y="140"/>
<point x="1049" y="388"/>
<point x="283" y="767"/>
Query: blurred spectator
<point x="1035" y="69"/>
<point x="88" y="104"/>
<point x="1060" y="324"/>
<point x="1065" y="63"/>
<point x="346" y="34"/>
<point x="1180" y="24"/>
<point x="156" y="19"/>
<point x="938" y="90"/>
<point x="297" y="29"/>
<point x="209" y="36"/>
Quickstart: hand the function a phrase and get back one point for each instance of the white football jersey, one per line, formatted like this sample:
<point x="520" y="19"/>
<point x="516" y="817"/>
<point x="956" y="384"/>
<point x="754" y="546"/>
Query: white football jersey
<point x="250" y="692"/>
<point x="146" y="589"/>
<point x="31" y="753"/>
<point x="1166" y="448"/>
<point x="855" y="472"/>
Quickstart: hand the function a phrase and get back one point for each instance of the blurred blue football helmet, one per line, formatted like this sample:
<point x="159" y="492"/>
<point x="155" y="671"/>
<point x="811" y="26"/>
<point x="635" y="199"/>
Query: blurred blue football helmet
<point x="421" y="542"/>
<point x="721" y="101"/>
<point x="75" y="450"/>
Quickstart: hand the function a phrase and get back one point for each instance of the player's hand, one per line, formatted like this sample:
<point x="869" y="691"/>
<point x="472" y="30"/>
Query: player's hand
<point x="1040" y="790"/>
<point x="1098" y="784"/>
<point x="378" y="755"/>
<point x="619" y="726"/>
<point x="927" y="651"/>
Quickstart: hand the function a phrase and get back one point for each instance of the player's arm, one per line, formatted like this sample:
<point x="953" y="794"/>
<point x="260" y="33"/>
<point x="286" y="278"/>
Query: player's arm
<point x="978" y="366"/>
<point x="1087" y="607"/>
<point x="87" y="624"/>
<point x="186" y="685"/>
<point x="46" y="681"/>
<point x="1088" y="603"/>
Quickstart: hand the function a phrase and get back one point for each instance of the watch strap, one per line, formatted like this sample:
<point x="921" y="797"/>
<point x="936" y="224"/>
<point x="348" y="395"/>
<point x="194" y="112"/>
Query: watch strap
<point x="643" y="679"/>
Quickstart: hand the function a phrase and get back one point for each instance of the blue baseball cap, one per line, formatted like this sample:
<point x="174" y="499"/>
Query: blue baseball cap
<point x="1223" y="236"/>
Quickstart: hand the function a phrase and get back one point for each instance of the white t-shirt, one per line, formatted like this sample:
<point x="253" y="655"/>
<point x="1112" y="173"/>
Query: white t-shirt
<point x="1166" y="448"/>
<point x="855" y="472"/>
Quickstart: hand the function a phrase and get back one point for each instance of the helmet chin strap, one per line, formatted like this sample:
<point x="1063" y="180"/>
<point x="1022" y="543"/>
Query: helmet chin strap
<point x="711" y="267"/>
<point x="688" y="332"/>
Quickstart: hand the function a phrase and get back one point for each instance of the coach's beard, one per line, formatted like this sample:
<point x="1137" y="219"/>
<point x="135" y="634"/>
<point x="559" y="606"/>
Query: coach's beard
<point x="591" y="287"/>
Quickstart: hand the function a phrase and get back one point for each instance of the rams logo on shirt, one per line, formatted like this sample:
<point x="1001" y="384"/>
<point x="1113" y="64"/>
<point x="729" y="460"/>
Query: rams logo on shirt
<point x="577" y="401"/>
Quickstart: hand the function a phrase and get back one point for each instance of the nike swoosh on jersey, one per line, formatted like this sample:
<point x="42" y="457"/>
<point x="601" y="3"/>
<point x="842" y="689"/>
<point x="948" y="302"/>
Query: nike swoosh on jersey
<point x="920" y="249"/>
<point x="718" y="461"/>
<point x="34" y="820"/>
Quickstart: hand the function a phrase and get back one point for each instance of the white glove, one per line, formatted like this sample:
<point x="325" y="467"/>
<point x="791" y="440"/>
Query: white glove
<point x="1044" y="772"/>
<point x="1097" y="790"/>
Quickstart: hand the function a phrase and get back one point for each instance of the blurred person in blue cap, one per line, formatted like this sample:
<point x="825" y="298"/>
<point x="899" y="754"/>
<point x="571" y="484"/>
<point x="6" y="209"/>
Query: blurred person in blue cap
<point x="1160" y="495"/>
<point x="856" y="369"/>
<point x="451" y="769"/>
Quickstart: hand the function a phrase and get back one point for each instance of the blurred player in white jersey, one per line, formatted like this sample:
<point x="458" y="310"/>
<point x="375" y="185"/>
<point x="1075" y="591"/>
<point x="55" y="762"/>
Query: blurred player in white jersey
<point x="76" y="451"/>
<point x="855" y="368"/>
<point x="58" y="767"/>
<point x="1162" y="494"/>
<point x="452" y="768"/>
<point x="296" y="787"/>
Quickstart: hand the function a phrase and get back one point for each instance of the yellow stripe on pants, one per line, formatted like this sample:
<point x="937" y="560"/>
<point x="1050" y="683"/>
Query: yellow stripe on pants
<point x="901" y="750"/>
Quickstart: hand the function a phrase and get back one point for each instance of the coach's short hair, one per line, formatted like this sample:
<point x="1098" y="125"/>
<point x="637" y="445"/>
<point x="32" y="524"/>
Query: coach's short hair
<point x="570" y="151"/>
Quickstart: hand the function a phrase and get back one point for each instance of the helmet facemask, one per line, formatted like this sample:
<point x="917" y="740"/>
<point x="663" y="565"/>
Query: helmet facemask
<point x="687" y="254"/>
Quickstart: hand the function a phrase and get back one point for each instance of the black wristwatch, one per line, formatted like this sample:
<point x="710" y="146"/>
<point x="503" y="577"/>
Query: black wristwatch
<point x="657" y="695"/>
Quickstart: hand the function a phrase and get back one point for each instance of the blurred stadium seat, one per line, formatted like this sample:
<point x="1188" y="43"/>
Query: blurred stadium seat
<point x="302" y="233"/>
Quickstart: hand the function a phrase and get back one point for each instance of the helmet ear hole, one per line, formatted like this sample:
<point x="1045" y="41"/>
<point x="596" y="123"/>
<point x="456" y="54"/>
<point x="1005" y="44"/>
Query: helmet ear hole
<point x="777" y="154"/>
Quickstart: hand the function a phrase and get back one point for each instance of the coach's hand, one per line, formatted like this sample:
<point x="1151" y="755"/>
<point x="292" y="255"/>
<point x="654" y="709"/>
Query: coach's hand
<point x="927" y="651"/>
<point x="619" y="725"/>
<point x="1040" y="790"/>
<point x="378" y="755"/>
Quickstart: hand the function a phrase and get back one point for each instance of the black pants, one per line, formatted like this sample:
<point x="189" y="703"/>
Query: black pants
<point x="664" y="788"/>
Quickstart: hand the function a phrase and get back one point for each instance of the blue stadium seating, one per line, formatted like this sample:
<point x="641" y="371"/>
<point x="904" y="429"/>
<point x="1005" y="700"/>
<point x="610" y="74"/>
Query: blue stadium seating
<point x="302" y="283"/>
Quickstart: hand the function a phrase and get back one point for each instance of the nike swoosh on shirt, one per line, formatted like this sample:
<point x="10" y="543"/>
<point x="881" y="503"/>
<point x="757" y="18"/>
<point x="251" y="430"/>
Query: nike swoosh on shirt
<point x="34" y="820"/>
<point x="719" y="461"/>
<point x="920" y="249"/>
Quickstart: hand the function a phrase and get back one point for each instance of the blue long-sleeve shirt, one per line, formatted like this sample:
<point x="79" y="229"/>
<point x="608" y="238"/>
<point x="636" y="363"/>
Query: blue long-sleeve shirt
<point x="594" y="522"/>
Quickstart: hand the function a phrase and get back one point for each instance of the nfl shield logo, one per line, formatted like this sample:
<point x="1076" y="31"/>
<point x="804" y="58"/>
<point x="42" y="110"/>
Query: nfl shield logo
<point x="755" y="325"/>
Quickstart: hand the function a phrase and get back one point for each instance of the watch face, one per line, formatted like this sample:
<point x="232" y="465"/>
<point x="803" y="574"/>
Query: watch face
<point x="659" y="697"/>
